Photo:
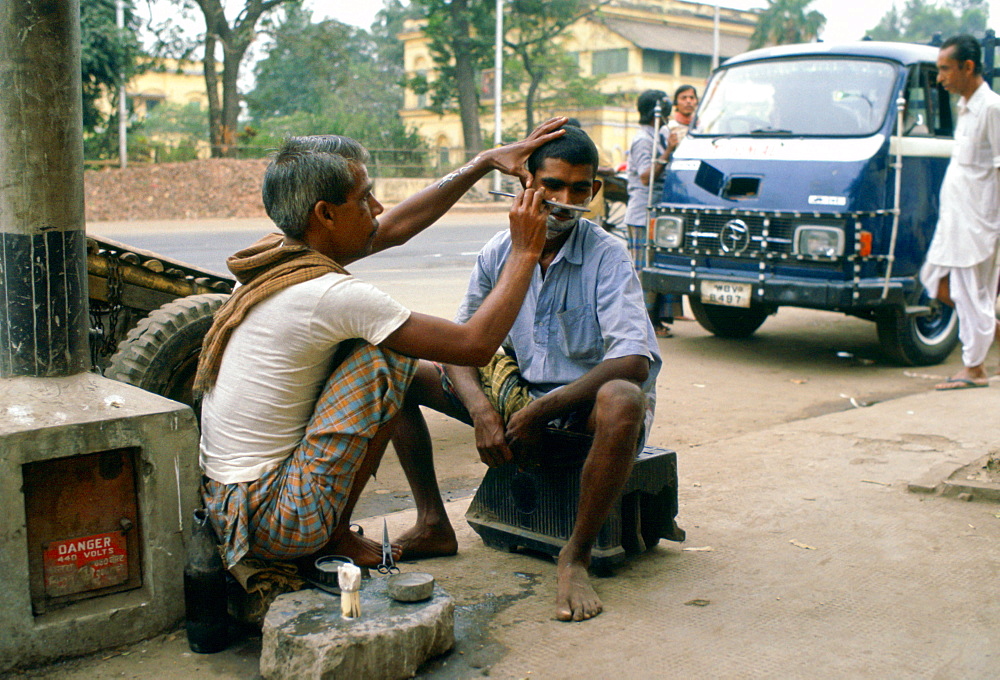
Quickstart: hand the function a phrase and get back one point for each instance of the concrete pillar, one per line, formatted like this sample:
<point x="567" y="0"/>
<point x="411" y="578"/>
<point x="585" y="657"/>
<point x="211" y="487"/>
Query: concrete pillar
<point x="68" y="437"/>
<point x="43" y="330"/>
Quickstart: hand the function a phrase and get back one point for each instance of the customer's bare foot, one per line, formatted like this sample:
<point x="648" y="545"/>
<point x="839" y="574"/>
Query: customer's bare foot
<point x="426" y="540"/>
<point x="576" y="599"/>
<point x="364" y="551"/>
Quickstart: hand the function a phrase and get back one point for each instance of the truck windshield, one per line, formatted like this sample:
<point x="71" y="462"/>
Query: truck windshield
<point x="814" y="96"/>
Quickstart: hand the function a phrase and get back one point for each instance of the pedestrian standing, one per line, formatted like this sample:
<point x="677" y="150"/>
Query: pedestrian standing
<point x="961" y="266"/>
<point x="646" y="161"/>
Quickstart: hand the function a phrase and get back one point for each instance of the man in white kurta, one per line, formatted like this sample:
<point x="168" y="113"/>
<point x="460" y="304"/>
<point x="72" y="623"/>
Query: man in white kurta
<point x="961" y="266"/>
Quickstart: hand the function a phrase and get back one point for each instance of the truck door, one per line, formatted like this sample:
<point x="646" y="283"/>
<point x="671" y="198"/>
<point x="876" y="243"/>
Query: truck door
<point x="926" y="148"/>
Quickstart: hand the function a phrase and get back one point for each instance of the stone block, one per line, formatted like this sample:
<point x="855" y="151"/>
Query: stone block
<point x="306" y="638"/>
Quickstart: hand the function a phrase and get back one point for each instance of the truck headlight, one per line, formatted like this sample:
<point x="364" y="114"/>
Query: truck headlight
<point x="819" y="241"/>
<point x="668" y="231"/>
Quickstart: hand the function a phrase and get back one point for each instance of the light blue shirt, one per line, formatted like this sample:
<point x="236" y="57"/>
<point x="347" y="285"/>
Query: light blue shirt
<point x="589" y="307"/>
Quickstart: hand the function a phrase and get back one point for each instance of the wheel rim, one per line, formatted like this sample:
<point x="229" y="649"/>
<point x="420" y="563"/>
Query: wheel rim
<point x="935" y="328"/>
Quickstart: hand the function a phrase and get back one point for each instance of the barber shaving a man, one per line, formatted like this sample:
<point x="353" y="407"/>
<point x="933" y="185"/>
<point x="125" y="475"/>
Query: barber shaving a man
<point x="305" y="367"/>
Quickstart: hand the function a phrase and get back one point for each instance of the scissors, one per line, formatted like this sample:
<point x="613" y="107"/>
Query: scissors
<point x="388" y="565"/>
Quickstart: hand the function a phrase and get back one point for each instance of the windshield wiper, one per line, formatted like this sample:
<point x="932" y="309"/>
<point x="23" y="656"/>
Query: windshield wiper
<point x="770" y="131"/>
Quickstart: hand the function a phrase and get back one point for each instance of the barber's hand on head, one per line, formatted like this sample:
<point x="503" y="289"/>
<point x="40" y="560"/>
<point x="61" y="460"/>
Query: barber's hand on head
<point x="490" y="438"/>
<point x="527" y="221"/>
<point x="510" y="158"/>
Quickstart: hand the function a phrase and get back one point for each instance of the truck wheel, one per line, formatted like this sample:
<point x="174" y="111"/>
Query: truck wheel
<point x="729" y="322"/>
<point x="161" y="353"/>
<point x="918" y="340"/>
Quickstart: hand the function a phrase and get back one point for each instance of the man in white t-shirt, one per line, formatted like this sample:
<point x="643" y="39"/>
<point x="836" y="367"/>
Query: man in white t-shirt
<point x="961" y="265"/>
<point x="305" y="366"/>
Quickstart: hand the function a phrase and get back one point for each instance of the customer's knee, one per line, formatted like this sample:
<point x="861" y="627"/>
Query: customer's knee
<point x="620" y="403"/>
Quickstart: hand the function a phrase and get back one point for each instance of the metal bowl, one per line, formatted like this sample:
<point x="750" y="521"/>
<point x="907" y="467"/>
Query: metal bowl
<point x="324" y="572"/>
<point x="410" y="587"/>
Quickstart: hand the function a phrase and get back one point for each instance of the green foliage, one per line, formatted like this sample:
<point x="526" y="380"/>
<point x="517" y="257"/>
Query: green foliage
<point x="107" y="54"/>
<point x="542" y="73"/>
<point x="168" y="119"/>
<point x="169" y="133"/>
<point x="328" y="78"/>
<point x="919" y="20"/>
<point x="470" y="31"/>
<point x="785" y="22"/>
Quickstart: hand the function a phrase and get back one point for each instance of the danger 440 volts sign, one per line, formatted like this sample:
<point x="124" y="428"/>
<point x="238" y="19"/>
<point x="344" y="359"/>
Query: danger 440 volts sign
<point x="86" y="563"/>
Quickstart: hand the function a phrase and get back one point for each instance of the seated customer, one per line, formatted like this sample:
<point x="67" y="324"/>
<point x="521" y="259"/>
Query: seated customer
<point x="582" y="354"/>
<point x="305" y="366"/>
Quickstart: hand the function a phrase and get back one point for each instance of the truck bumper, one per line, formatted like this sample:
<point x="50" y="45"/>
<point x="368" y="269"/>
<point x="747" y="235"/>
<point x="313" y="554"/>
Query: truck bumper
<point x="775" y="291"/>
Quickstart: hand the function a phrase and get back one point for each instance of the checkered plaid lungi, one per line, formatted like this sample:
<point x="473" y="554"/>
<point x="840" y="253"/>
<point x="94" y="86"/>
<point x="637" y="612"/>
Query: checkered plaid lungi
<point x="292" y="510"/>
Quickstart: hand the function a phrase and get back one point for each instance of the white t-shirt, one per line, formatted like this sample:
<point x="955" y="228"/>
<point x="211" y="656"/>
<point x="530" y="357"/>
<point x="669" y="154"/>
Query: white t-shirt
<point x="275" y="365"/>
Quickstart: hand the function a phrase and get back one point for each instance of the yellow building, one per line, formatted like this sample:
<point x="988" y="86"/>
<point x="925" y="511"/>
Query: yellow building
<point x="168" y="80"/>
<point x="633" y="45"/>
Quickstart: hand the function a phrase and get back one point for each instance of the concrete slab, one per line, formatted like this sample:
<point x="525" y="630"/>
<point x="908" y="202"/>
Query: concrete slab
<point x="879" y="582"/>
<point x="54" y="418"/>
<point x="306" y="638"/>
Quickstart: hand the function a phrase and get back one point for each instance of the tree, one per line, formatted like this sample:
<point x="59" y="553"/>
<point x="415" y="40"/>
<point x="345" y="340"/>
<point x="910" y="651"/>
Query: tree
<point x="234" y="39"/>
<point x="786" y="21"/>
<point x="544" y="70"/>
<point x="461" y="44"/>
<point x="107" y="54"/>
<point x="921" y="19"/>
<point x="342" y="84"/>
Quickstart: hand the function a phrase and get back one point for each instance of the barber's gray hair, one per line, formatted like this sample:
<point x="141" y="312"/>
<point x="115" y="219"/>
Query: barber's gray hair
<point x="307" y="170"/>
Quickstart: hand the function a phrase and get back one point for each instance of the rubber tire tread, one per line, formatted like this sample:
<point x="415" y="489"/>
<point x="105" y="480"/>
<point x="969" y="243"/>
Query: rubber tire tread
<point x="167" y="340"/>
<point x="899" y="341"/>
<point x="728" y="322"/>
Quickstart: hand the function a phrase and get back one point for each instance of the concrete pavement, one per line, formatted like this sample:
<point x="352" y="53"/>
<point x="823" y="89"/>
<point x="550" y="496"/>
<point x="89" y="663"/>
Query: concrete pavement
<point x="806" y="556"/>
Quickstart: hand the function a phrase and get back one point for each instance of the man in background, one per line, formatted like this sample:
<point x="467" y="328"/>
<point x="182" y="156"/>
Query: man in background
<point x="961" y="268"/>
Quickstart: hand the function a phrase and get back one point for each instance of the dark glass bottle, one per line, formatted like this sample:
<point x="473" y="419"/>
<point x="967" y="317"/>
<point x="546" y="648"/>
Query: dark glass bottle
<point x="206" y="618"/>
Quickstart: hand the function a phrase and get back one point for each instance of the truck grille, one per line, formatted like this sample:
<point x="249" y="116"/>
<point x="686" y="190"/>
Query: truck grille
<point x="740" y="235"/>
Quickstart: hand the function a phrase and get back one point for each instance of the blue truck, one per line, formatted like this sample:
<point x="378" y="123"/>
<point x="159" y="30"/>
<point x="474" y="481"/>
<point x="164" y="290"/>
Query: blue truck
<point x="810" y="178"/>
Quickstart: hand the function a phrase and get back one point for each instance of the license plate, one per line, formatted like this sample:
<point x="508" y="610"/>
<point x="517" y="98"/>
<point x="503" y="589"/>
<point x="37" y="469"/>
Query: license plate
<point x="726" y="293"/>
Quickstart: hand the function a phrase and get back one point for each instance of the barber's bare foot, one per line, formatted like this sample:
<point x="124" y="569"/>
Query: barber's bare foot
<point x="576" y="599"/>
<point x="424" y="540"/>
<point x="364" y="551"/>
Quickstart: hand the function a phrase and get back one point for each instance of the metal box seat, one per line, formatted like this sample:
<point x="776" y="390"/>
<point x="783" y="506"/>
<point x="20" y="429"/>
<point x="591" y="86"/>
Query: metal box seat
<point x="534" y="506"/>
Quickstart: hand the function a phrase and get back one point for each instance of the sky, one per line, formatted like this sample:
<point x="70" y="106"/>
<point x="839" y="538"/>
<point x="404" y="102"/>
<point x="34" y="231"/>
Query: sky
<point x="845" y="19"/>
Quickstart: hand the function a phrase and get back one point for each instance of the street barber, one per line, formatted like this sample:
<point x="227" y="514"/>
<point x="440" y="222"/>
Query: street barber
<point x="305" y="366"/>
<point x="582" y="355"/>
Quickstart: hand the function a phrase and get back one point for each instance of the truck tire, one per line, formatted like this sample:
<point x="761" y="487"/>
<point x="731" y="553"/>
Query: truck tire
<point x="161" y="353"/>
<point x="918" y="340"/>
<point x="729" y="322"/>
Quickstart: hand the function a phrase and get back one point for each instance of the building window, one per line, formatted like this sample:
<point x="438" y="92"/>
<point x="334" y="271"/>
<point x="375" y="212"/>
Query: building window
<point x="657" y="61"/>
<point x="610" y="61"/>
<point x="696" y="65"/>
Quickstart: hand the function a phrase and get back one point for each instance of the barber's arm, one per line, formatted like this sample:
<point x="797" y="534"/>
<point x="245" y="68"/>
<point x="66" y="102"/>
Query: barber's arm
<point x="474" y="342"/>
<point x="407" y="219"/>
